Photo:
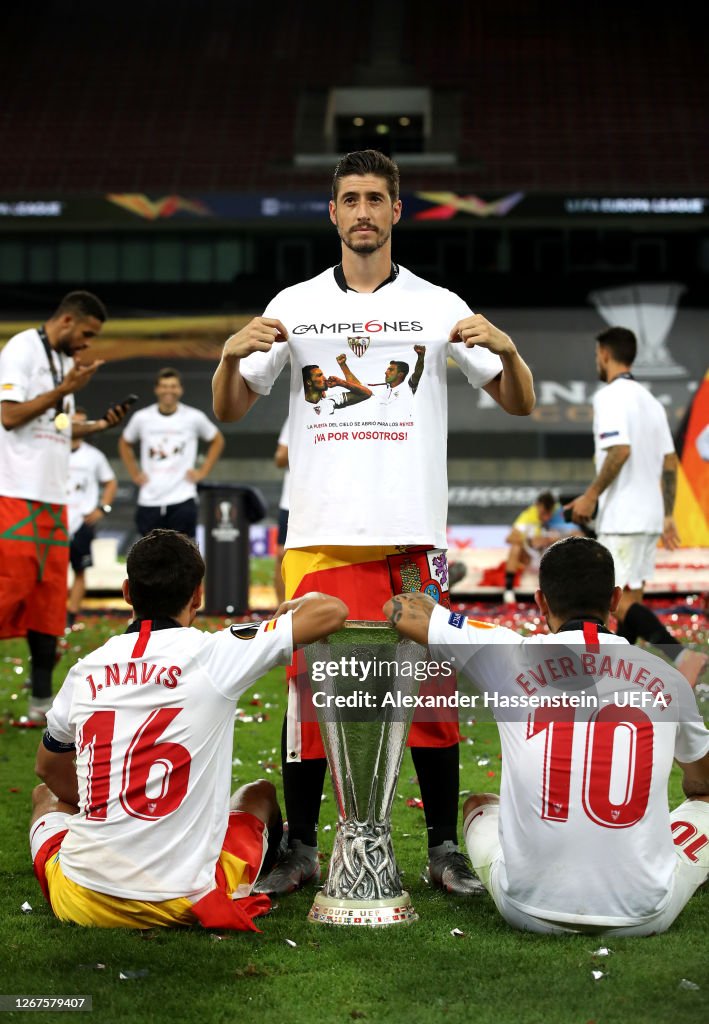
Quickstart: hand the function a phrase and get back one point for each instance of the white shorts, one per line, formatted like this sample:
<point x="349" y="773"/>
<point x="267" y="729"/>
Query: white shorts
<point x="633" y="555"/>
<point x="689" y="823"/>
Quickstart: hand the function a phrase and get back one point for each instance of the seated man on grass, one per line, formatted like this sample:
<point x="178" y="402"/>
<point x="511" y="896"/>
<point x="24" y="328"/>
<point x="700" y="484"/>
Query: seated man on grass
<point x="533" y="531"/>
<point x="133" y="825"/>
<point x="580" y="839"/>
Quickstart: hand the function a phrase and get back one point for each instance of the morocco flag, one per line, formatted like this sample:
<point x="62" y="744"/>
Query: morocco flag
<point x="692" y="442"/>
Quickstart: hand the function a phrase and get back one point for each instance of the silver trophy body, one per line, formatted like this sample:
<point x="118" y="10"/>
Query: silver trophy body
<point x="364" y="743"/>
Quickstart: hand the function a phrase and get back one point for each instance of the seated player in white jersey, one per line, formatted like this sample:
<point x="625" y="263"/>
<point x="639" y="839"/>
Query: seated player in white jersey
<point x="133" y="825"/>
<point x="580" y="839"/>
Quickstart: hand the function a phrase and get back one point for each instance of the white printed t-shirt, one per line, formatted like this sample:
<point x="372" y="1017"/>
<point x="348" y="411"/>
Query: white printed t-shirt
<point x="34" y="457"/>
<point x="153" y="726"/>
<point x="168" y="450"/>
<point x="360" y="473"/>
<point x="584" y="818"/>
<point x="624" y="412"/>
<point x="88" y="469"/>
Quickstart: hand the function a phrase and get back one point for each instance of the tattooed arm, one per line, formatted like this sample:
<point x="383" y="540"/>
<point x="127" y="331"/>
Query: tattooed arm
<point x="582" y="508"/>
<point x="410" y="615"/>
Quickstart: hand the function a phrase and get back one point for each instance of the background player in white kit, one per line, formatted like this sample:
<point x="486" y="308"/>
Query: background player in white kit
<point x="580" y="838"/>
<point x="169" y="433"/>
<point x="634" y="490"/>
<point x="89" y="470"/>
<point x="138" y="831"/>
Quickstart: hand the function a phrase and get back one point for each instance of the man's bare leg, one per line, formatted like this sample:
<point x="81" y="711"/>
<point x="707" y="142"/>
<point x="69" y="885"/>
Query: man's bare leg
<point x="259" y="798"/>
<point x="636" y="620"/>
<point x="45" y="802"/>
<point x="517" y="560"/>
<point x="476" y="800"/>
<point x="77" y="592"/>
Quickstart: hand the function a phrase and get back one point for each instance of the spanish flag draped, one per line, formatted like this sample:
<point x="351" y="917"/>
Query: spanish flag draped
<point x="692" y="505"/>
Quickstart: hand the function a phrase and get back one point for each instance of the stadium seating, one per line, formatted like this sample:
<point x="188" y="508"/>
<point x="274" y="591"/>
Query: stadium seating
<point x="177" y="96"/>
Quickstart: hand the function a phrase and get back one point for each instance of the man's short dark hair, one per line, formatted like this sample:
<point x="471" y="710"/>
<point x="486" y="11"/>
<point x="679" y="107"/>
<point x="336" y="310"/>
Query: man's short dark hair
<point x="577" y="577"/>
<point x="82" y="305"/>
<point x="164" y="568"/>
<point x="368" y="161"/>
<point x="307" y="372"/>
<point x="620" y="342"/>
<point x="402" y="367"/>
<point x="547" y="500"/>
<point x="167" y="371"/>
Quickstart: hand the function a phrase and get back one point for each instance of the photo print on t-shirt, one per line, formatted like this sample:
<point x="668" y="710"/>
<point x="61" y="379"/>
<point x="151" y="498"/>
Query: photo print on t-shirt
<point x="392" y="395"/>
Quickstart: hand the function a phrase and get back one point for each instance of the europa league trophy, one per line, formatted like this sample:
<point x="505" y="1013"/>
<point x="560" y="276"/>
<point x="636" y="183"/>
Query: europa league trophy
<point x="364" y="743"/>
<point x="649" y="310"/>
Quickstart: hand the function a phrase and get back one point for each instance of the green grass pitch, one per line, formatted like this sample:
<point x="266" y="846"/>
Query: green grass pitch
<point x="412" y="974"/>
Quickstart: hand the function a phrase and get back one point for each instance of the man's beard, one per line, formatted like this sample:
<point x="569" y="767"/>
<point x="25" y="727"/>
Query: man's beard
<point x="367" y="248"/>
<point x="602" y="374"/>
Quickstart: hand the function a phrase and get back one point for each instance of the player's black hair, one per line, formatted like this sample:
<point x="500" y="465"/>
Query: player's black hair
<point x="577" y="577"/>
<point x="167" y="371"/>
<point x="402" y="367"/>
<point x="82" y="305"/>
<point x="164" y="568"/>
<point x="306" y="371"/>
<point x="368" y="161"/>
<point x="620" y="342"/>
<point x="547" y="500"/>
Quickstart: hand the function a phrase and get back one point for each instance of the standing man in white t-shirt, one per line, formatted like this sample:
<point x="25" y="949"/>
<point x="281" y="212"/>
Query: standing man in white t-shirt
<point x="169" y="434"/>
<point x="368" y="492"/>
<point x="633" y="493"/>
<point x="580" y="838"/>
<point x="133" y="826"/>
<point x="40" y="372"/>
<point x="89" y="470"/>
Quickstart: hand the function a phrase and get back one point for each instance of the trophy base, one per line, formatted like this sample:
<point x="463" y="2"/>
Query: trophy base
<point x="363" y="913"/>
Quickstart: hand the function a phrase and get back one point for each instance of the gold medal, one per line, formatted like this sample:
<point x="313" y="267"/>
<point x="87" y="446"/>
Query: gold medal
<point x="61" y="421"/>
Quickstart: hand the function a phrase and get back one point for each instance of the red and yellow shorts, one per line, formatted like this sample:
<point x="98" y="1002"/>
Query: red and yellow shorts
<point x="228" y="905"/>
<point x="34" y="557"/>
<point x="364" y="578"/>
